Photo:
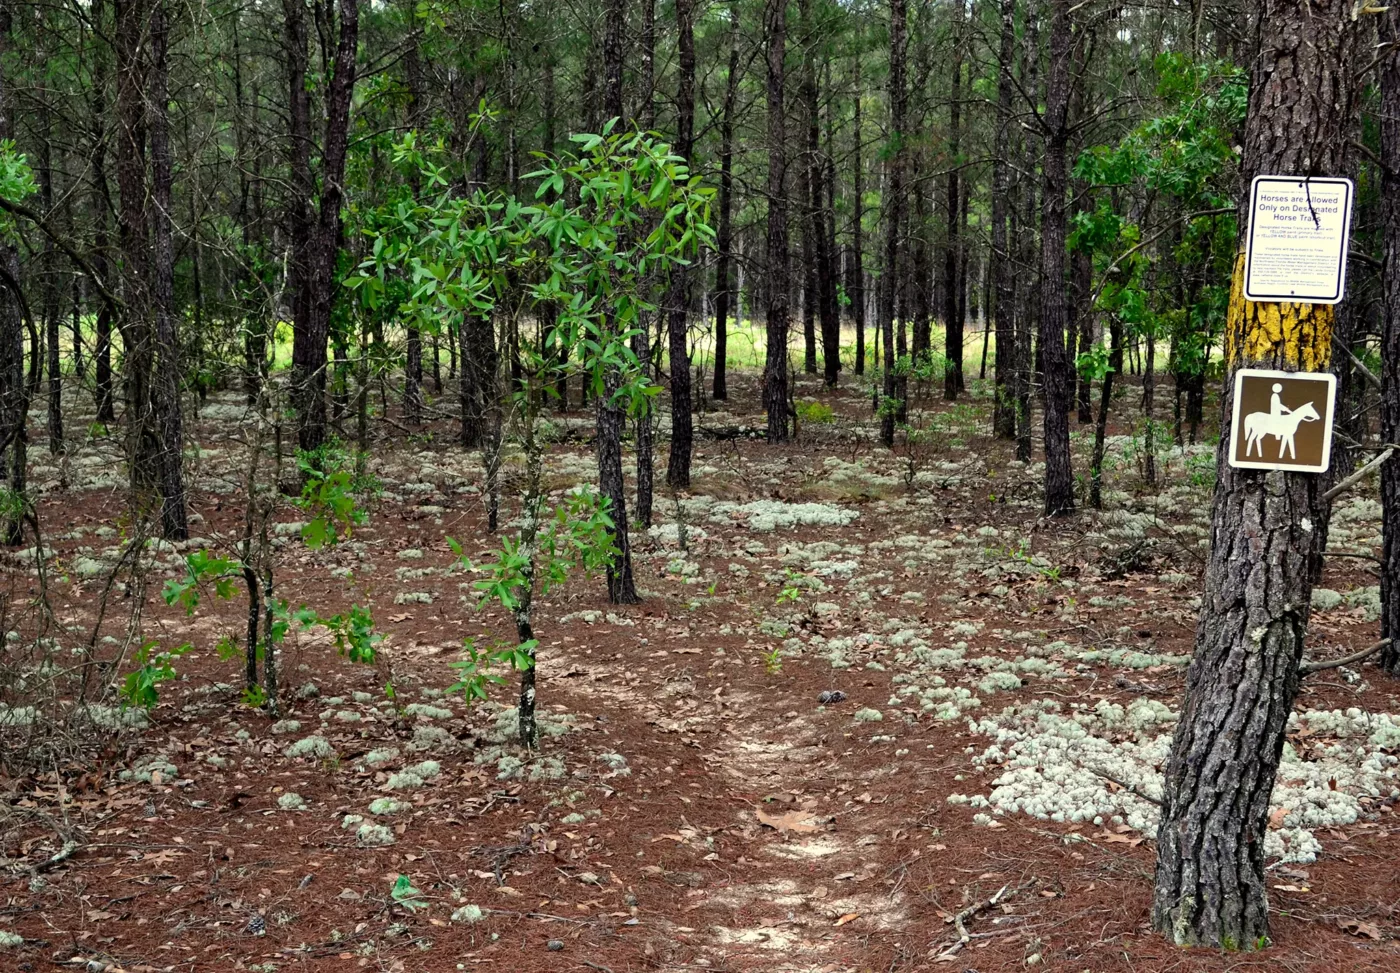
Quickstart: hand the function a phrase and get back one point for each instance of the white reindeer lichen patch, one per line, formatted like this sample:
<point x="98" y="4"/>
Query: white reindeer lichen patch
<point x="1057" y="766"/>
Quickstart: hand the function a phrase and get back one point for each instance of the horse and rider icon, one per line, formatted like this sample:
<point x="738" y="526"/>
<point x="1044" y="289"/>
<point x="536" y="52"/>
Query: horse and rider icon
<point x="1280" y="422"/>
<point x="1283" y="420"/>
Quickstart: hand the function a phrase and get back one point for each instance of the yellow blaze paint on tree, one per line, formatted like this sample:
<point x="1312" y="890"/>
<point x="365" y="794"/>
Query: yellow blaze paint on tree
<point x="1282" y="335"/>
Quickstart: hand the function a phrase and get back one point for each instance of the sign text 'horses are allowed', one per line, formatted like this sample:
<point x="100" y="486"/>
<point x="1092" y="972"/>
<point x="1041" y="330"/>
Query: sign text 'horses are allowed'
<point x="1282" y="420"/>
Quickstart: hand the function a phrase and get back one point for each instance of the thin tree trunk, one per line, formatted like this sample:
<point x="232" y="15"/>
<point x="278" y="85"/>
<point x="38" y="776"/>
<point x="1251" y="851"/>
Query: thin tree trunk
<point x="1210" y="887"/>
<point x="952" y="306"/>
<point x="724" y="239"/>
<point x="775" y="366"/>
<point x="14" y="399"/>
<point x="1115" y="366"/>
<point x="682" y="428"/>
<point x="52" y="314"/>
<point x="894" y="212"/>
<point x="1027" y="312"/>
<point x="857" y="219"/>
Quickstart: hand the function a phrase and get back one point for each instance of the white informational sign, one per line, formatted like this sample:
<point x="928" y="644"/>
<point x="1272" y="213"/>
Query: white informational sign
<point x="1298" y="233"/>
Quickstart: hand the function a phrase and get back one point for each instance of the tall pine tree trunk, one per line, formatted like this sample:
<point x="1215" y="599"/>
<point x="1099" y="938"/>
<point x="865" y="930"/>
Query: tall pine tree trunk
<point x="775" y="363"/>
<point x="1390" y="340"/>
<point x="610" y="416"/>
<point x="309" y="342"/>
<point x="1029" y="288"/>
<point x="131" y="44"/>
<point x="165" y="397"/>
<point x="893" y="215"/>
<point x="1210" y="886"/>
<point x="14" y="399"/>
<point x="682" y="425"/>
<point x="952" y="279"/>
<point x="857" y="294"/>
<point x="724" y="239"/>
<point x="1059" y="475"/>
<point x="1003" y="271"/>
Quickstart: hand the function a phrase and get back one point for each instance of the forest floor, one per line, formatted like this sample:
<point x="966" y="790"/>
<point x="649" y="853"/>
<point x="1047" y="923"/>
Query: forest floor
<point x="979" y="800"/>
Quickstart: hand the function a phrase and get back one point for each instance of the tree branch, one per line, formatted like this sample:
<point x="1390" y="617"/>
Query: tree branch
<point x="19" y="209"/>
<point x="1358" y="476"/>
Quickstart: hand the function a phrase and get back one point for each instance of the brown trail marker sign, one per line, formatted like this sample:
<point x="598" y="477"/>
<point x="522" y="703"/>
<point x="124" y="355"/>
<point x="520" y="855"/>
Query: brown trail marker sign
<point x="1282" y="420"/>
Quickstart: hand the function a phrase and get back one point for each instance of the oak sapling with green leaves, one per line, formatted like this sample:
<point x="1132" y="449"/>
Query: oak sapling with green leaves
<point x="574" y="535"/>
<point x="328" y="496"/>
<point x="619" y="214"/>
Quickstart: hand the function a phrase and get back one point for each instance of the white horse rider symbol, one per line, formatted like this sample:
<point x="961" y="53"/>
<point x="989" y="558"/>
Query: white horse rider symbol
<point x="1279" y="422"/>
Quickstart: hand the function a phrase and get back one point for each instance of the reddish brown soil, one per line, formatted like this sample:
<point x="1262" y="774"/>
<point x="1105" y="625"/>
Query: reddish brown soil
<point x="168" y="875"/>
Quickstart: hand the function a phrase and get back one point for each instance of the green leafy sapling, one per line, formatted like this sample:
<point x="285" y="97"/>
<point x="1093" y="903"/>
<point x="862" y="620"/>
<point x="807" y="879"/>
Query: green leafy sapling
<point x="152" y="668"/>
<point x="328" y="496"/>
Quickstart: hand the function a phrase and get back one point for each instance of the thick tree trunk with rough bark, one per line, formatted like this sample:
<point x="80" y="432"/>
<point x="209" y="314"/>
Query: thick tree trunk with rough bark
<point x="1210" y="886"/>
<point x="1390" y="341"/>
<point x="894" y="211"/>
<point x="480" y="362"/>
<point x="775" y="363"/>
<point x="165" y="397"/>
<point x="828" y="269"/>
<point x="1059" y="475"/>
<point x="301" y="185"/>
<point x="309" y="344"/>
<point x="131" y="46"/>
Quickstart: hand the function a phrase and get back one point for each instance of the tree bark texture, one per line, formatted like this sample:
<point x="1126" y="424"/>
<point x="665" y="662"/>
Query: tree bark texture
<point x="894" y="211"/>
<point x="775" y="363"/>
<point x="165" y="398"/>
<point x="682" y="423"/>
<point x="309" y="343"/>
<point x="14" y="397"/>
<point x="622" y="590"/>
<point x="1390" y="341"/>
<point x="1003" y="271"/>
<point x="857" y="289"/>
<point x="724" y="238"/>
<point x="1029" y="286"/>
<point x="1059" y="475"/>
<point x="952" y="277"/>
<point x="480" y="363"/>
<point x="1210" y="886"/>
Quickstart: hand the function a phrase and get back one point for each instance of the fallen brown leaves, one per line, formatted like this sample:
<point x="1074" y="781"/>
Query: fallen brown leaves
<point x="796" y="821"/>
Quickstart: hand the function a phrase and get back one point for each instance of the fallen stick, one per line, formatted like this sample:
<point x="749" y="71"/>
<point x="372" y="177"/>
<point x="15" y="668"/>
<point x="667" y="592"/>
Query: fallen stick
<point x="1310" y="667"/>
<point x="1127" y="787"/>
<point x="959" y="920"/>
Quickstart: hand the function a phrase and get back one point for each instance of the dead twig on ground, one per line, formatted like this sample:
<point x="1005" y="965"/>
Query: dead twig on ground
<point x="1310" y="667"/>
<point x="1127" y="787"/>
<point x="960" y="920"/>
